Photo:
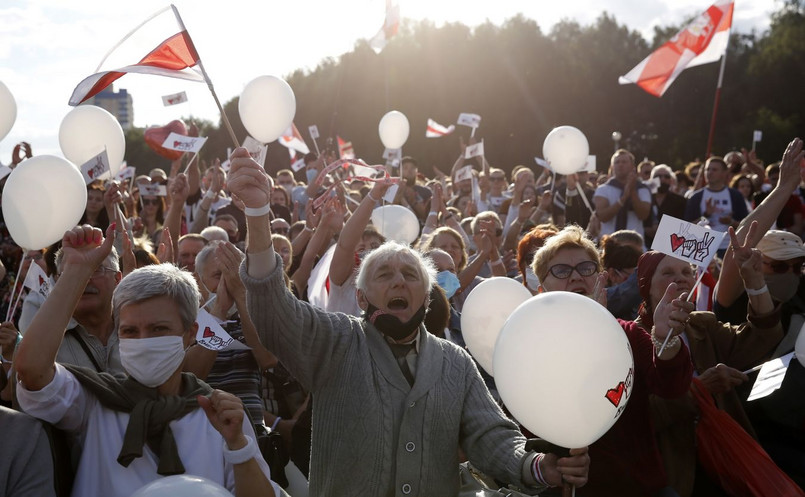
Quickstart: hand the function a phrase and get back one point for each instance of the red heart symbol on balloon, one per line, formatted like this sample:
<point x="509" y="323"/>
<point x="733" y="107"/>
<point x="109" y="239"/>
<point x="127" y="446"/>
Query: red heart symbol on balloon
<point x="676" y="241"/>
<point x="614" y="395"/>
<point x="155" y="136"/>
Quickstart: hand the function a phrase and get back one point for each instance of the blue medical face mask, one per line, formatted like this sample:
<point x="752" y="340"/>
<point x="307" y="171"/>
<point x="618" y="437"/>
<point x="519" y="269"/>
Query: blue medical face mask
<point x="311" y="175"/>
<point x="448" y="281"/>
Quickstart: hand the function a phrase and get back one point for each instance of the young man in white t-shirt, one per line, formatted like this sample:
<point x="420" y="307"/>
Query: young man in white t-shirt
<point x="623" y="202"/>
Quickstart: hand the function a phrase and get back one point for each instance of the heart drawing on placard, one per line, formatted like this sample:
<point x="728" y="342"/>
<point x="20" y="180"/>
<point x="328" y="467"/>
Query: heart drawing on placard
<point x="676" y="241"/>
<point x="615" y="395"/>
<point x="208" y="333"/>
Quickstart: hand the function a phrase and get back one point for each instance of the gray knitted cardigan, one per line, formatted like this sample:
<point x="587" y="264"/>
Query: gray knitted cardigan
<point x="373" y="434"/>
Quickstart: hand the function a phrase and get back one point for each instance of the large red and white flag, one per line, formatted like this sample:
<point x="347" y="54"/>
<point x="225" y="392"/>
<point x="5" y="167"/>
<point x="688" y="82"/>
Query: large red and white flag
<point x="168" y="48"/>
<point x="292" y="139"/>
<point x="345" y="150"/>
<point x="389" y="29"/>
<point x="702" y="41"/>
<point x="435" y="130"/>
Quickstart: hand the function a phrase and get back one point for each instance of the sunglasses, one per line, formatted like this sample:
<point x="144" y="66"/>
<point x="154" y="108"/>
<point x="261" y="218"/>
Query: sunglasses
<point x="781" y="267"/>
<point x="150" y="201"/>
<point x="563" y="271"/>
<point x="663" y="176"/>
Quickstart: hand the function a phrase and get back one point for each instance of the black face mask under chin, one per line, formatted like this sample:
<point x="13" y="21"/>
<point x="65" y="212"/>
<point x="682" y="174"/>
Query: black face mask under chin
<point x="391" y="326"/>
<point x="663" y="188"/>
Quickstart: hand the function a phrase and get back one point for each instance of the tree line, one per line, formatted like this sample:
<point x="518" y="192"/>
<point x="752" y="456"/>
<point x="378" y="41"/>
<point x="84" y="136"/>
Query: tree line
<point x="523" y="82"/>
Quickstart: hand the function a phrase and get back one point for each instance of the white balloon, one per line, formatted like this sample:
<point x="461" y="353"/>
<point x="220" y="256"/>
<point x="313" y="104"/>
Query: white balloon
<point x="86" y="130"/>
<point x="8" y="110"/>
<point x="44" y="196"/>
<point x="393" y="129"/>
<point x="566" y="149"/>
<point x="182" y="486"/>
<point x="267" y="106"/>
<point x="564" y="368"/>
<point x="396" y="222"/>
<point x="486" y="309"/>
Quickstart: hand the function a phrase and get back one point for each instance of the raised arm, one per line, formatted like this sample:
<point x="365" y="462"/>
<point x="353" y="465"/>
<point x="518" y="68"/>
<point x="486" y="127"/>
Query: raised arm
<point x="729" y="285"/>
<point x="201" y="217"/>
<point x="179" y="190"/>
<point x="252" y="185"/>
<point x="332" y="222"/>
<point x="84" y="249"/>
<point x="343" y="262"/>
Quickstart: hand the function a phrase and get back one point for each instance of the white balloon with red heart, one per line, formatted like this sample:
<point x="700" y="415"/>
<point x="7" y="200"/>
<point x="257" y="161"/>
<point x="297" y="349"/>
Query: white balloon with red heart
<point x="563" y="367"/>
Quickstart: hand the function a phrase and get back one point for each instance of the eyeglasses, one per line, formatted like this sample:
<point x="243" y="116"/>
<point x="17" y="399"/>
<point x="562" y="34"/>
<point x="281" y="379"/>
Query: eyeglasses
<point x="781" y="267"/>
<point x="103" y="270"/>
<point x="563" y="271"/>
<point x="150" y="201"/>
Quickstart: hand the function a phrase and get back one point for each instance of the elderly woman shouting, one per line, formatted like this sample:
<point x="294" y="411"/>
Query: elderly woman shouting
<point x="627" y="460"/>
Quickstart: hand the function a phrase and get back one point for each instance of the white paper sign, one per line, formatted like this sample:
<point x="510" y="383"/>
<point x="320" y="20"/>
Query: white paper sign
<point x="182" y="143"/>
<point x="467" y="119"/>
<point x="256" y="149"/>
<point x="298" y="165"/>
<point x="125" y="172"/>
<point x="464" y="173"/>
<point x="391" y="193"/>
<point x="225" y="165"/>
<point x="155" y="190"/>
<point x="391" y="154"/>
<point x="212" y="336"/>
<point x="314" y="131"/>
<point x="686" y="241"/>
<point x="757" y="135"/>
<point x="475" y="150"/>
<point x="174" y="98"/>
<point x="95" y="168"/>
<point x="37" y="280"/>
<point x="543" y="163"/>
<point x="770" y="377"/>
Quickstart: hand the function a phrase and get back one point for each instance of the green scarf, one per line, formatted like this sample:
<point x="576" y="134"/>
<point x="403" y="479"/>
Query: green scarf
<point x="149" y="413"/>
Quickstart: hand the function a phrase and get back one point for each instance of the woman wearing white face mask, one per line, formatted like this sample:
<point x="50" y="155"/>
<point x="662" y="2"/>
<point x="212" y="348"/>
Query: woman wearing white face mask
<point x="156" y="422"/>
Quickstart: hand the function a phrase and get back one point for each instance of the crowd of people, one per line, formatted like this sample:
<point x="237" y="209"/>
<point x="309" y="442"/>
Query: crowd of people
<point x="347" y="364"/>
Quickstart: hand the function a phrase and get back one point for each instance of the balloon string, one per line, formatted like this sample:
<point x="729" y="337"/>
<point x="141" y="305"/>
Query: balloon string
<point x="14" y="288"/>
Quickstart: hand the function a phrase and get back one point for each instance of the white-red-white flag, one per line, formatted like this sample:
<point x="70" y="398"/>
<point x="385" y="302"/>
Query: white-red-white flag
<point x="345" y="150"/>
<point x="37" y="280"/>
<point x="702" y="41"/>
<point x="292" y="139"/>
<point x="174" y="98"/>
<point x="168" y="48"/>
<point x="435" y="130"/>
<point x="389" y="29"/>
